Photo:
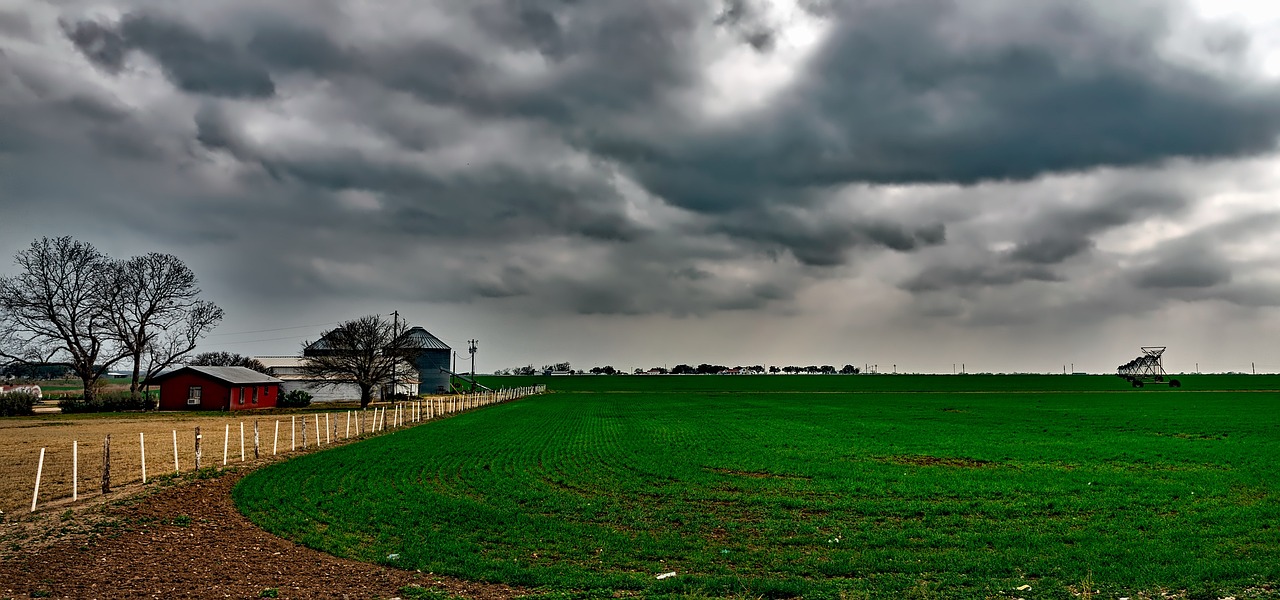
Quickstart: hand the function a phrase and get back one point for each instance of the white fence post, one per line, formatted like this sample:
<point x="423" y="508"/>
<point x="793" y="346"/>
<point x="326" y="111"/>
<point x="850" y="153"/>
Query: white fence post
<point x="348" y="436"/>
<point x="75" y="470"/>
<point x="142" y="449"/>
<point x="326" y="429"/>
<point x="39" y="472"/>
<point x="241" y="441"/>
<point x="175" y="452"/>
<point x="276" y="438"/>
<point x="293" y="426"/>
<point x="226" y="443"/>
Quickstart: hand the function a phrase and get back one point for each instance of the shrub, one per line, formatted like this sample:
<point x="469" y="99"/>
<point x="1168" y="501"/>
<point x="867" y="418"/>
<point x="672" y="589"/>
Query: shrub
<point x="108" y="402"/>
<point x="295" y="399"/>
<point x="17" y="403"/>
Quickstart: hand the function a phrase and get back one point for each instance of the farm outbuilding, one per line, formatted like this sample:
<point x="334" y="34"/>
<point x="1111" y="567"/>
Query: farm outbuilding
<point x="216" y="388"/>
<point x="429" y="356"/>
<point x="293" y="375"/>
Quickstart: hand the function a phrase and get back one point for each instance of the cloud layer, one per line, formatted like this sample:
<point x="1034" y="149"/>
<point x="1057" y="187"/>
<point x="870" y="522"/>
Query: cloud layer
<point x="979" y="163"/>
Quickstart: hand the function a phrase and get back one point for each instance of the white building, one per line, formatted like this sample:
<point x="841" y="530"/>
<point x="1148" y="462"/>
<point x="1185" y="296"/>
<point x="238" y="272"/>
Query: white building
<point x="291" y="370"/>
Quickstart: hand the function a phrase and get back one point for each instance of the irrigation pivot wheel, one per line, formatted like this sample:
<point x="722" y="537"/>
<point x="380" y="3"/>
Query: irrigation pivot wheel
<point x="1147" y="368"/>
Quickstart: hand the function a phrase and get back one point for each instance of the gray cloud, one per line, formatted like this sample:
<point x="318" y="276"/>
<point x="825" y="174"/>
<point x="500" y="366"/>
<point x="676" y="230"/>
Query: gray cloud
<point x="555" y="157"/>
<point x="193" y="62"/>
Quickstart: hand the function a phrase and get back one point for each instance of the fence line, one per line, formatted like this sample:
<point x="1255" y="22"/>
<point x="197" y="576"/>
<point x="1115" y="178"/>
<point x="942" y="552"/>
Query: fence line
<point x="402" y="415"/>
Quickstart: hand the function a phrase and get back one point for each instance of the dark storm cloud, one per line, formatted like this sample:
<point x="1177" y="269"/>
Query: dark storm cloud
<point x="193" y="62"/>
<point x="102" y="45"/>
<point x="359" y="140"/>
<point x="1050" y="250"/>
<point x="1059" y="235"/>
<point x="743" y="17"/>
<point x="1195" y="271"/>
<point x="942" y="278"/>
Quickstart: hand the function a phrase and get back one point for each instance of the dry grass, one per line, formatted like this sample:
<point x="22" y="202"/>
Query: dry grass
<point x="21" y="439"/>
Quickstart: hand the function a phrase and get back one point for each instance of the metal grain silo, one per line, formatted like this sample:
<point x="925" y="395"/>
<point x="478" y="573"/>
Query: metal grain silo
<point x="429" y="356"/>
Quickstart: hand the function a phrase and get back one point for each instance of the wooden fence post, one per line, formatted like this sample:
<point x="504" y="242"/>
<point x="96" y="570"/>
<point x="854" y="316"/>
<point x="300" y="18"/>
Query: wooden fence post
<point x="304" y="432"/>
<point x="106" y="464"/>
<point x="39" y="472"/>
<point x="198" y="437"/>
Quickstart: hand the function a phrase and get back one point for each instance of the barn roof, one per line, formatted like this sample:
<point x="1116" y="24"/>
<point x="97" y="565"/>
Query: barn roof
<point x="232" y="375"/>
<point x="418" y="338"/>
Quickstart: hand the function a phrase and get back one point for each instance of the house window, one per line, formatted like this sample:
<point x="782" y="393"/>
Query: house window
<point x="193" y="395"/>
<point x="255" y="395"/>
<point x="240" y="394"/>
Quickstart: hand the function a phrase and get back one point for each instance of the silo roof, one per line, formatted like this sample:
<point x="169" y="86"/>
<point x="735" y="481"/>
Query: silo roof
<point x="418" y="338"/>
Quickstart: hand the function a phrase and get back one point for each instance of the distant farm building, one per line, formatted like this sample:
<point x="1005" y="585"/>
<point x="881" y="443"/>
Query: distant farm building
<point x="216" y="388"/>
<point x="15" y="389"/>
<point x="291" y="370"/>
<point x="427" y="355"/>
<point x="430" y="359"/>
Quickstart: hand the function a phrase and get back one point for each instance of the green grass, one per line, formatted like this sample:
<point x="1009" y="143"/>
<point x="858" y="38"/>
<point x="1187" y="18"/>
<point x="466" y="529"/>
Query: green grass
<point x="806" y="486"/>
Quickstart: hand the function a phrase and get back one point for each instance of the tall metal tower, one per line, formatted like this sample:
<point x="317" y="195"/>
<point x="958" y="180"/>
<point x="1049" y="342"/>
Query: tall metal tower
<point x="472" y="349"/>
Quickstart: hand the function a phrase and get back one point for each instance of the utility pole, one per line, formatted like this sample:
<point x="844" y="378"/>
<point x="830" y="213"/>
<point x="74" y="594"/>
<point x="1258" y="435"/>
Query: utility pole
<point x="472" y="349"/>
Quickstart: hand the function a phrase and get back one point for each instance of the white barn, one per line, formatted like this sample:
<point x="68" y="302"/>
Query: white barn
<point x="290" y="370"/>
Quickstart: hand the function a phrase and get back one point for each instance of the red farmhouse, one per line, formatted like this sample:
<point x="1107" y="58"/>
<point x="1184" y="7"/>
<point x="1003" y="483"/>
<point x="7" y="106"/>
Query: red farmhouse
<point x="216" y="388"/>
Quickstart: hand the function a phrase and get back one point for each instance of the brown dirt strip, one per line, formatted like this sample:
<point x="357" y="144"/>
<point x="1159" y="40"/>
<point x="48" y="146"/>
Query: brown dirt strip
<point x="136" y="548"/>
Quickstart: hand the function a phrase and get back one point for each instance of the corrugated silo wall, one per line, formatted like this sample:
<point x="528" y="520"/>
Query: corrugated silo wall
<point x="431" y="380"/>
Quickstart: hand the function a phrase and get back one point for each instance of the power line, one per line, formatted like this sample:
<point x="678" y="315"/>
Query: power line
<point x="232" y="343"/>
<point x="276" y="329"/>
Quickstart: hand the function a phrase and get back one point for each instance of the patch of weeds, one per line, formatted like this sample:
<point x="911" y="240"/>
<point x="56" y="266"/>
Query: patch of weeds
<point x="418" y="592"/>
<point x="209" y="473"/>
<point x="68" y="515"/>
<point x="41" y="594"/>
<point x="592" y="594"/>
<point x="185" y="521"/>
<point x="270" y="593"/>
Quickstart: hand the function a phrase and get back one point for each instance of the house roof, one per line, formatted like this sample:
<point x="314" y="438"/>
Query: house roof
<point x="232" y="375"/>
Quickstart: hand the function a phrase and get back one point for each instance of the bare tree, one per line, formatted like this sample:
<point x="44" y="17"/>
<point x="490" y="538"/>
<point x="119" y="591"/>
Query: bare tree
<point x="228" y="359"/>
<point x="355" y="352"/>
<point x="176" y="345"/>
<point x="53" y="309"/>
<point x="153" y="308"/>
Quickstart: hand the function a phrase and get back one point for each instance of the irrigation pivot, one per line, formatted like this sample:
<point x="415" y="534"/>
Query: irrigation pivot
<point x="1148" y="368"/>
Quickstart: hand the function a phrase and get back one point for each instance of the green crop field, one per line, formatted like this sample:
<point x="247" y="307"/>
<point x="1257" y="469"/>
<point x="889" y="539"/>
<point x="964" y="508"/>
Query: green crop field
<point x="816" y="486"/>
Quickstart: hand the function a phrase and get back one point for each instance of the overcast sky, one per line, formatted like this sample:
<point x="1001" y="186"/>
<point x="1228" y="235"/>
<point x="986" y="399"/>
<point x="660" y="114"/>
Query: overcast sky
<point x="1017" y="186"/>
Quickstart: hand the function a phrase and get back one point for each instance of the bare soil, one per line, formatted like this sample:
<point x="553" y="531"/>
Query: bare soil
<point x="188" y="541"/>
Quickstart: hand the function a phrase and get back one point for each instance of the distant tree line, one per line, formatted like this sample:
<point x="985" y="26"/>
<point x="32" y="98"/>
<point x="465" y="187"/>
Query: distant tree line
<point x="69" y="303"/>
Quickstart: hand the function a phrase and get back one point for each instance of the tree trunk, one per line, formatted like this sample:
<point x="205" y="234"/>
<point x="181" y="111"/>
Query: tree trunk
<point x="133" y="385"/>
<point x="366" y="395"/>
<point x="89" y="392"/>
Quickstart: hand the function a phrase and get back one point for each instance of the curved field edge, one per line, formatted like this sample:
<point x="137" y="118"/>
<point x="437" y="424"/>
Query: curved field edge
<point x="823" y="495"/>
